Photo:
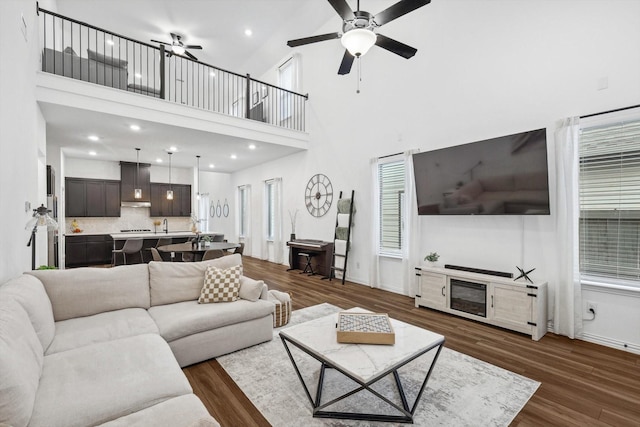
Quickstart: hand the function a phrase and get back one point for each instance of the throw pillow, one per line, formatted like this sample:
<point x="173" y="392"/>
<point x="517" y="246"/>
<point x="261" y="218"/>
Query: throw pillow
<point x="221" y="285"/>
<point x="250" y="289"/>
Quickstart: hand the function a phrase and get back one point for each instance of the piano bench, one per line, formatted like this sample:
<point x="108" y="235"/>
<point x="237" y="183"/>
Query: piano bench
<point x="308" y="268"/>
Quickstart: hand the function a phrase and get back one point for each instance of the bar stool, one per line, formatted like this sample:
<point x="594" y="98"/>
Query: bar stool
<point x="308" y="268"/>
<point x="131" y="246"/>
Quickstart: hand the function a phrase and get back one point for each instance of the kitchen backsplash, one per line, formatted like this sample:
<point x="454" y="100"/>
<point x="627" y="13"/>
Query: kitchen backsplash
<point x="130" y="219"/>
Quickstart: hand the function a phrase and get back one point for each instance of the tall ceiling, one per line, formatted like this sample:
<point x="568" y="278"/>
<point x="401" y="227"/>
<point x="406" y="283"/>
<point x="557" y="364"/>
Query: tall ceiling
<point x="219" y="27"/>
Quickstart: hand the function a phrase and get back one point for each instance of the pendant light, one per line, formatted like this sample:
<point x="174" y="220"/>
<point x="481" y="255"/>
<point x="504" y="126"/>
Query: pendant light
<point x="198" y="177"/>
<point x="170" y="191"/>
<point x="137" y="192"/>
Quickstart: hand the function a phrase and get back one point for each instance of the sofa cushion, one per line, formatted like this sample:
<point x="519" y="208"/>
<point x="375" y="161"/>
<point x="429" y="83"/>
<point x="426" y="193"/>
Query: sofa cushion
<point x="21" y="363"/>
<point x="29" y="292"/>
<point x="176" y="282"/>
<point x="102" y="382"/>
<point x="250" y="289"/>
<point x="108" y="60"/>
<point x="108" y="326"/>
<point x="186" y="318"/>
<point x="220" y="285"/>
<point x="86" y="291"/>
<point x="179" y="411"/>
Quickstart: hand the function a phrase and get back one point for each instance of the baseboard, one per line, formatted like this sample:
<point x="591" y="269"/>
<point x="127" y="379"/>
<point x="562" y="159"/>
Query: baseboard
<point x="613" y="343"/>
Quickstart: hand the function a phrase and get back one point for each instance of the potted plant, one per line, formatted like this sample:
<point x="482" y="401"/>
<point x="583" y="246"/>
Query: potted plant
<point x="433" y="257"/>
<point x="207" y="240"/>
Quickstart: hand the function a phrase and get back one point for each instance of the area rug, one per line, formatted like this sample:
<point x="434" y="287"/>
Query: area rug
<point x="462" y="391"/>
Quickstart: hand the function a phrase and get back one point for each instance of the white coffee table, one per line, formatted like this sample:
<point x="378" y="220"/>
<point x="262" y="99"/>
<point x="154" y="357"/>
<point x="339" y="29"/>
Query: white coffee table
<point x="363" y="363"/>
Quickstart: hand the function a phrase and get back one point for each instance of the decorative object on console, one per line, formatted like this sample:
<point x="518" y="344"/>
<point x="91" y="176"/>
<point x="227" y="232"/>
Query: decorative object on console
<point x="40" y="218"/>
<point x="524" y="274"/>
<point x="293" y="217"/>
<point x="478" y="270"/>
<point x="318" y="195"/>
<point x="432" y="257"/>
<point x="358" y="31"/>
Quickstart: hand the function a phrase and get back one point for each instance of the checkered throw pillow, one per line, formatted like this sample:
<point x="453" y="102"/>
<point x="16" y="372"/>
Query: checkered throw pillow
<point x="220" y="285"/>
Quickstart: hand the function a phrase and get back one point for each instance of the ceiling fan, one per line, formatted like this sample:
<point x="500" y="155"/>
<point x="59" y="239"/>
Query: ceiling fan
<point x="358" y="34"/>
<point x="179" y="48"/>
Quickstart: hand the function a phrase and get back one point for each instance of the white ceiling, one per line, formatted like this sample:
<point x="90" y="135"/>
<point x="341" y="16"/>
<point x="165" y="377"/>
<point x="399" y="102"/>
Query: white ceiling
<point x="217" y="25"/>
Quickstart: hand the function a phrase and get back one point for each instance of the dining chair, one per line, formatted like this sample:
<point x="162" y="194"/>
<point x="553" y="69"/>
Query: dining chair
<point x="239" y="249"/>
<point x="131" y="246"/>
<point x="218" y="237"/>
<point x="155" y="254"/>
<point x="212" y="254"/>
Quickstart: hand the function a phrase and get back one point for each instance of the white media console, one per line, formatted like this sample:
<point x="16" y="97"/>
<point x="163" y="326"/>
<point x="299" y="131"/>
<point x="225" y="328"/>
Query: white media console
<point x="517" y="305"/>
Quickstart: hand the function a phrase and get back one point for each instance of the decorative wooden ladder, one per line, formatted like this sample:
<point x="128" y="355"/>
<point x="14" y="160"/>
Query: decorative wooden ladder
<point x="344" y="220"/>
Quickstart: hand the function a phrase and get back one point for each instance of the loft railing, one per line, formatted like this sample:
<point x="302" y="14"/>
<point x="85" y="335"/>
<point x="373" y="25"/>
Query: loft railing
<point x="84" y="52"/>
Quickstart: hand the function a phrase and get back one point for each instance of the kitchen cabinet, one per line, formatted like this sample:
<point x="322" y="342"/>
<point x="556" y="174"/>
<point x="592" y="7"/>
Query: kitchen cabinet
<point x="86" y="250"/>
<point x="131" y="177"/>
<point x="92" y="198"/>
<point x="179" y="206"/>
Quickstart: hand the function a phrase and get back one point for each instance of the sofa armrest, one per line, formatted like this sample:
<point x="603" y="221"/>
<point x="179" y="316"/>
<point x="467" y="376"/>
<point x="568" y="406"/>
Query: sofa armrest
<point x="265" y="292"/>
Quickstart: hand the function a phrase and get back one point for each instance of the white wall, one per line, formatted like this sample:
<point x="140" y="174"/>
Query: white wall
<point x="217" y="186"/>
<point x="483" y="69"/>
<point x="22" y="136"/>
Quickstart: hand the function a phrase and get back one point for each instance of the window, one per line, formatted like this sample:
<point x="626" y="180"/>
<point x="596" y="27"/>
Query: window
<point x="243" y="211"/>
<point x="392" y="187"/>
<point x="609" y="193"/>
<point x="270" y="196"/>
<point x="287" y="79"/>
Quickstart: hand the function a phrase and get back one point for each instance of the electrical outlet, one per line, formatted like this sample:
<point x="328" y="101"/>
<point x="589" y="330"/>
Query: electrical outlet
<point x="591" y="306"/>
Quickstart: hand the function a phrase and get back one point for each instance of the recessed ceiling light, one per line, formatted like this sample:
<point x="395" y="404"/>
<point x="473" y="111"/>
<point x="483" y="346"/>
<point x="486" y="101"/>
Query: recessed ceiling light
<point x="173" y="149"/>
<point x="233" y="156"/>
<point x="252" y="146"/>
<point x="110" y="42"/>
<point x="211" y="165"/>
<point x="92" y="153"/>
<point x="248" y="32"/>
<point x="212" y="73"/>
<point x="134" y="127"/>
<point x="159" y="160"/>
<point x="138" y="76"/>
<point x="93" y="138"/>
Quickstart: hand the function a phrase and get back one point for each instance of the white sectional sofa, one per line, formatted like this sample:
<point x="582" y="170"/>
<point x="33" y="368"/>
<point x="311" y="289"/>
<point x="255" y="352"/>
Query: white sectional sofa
<point x="95" y="346"/>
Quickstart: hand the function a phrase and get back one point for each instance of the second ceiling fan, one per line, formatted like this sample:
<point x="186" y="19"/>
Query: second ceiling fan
<point x="179" y="48"/>
<point x="358" y="34"/>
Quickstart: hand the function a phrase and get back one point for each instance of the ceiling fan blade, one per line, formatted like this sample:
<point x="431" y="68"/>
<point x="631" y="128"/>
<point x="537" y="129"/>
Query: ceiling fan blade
<point x="347" y="62"/>
<point x="158" y="41"/>
<point x="313" y="39"/>
<point x="190" y="55"/>
<point x="395" y="46"/>
<point x="192" y="46"/>
<point x="343" y="9"/>
<point x="397" y="10"/>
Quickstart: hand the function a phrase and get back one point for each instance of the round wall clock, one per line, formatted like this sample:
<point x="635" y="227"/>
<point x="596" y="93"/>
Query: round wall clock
<point x="318" y="195"/>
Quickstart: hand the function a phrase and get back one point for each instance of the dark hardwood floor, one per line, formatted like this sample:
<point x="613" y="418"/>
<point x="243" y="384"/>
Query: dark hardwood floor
<point x="583" y="384"/>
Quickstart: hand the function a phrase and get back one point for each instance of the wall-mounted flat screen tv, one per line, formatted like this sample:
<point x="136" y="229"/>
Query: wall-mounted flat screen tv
<point x="499" y="176"/>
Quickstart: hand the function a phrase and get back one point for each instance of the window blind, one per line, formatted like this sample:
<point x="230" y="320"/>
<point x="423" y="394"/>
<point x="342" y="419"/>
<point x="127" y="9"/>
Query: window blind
<point x="610" y="200"/>
<point x="392" y="185"/>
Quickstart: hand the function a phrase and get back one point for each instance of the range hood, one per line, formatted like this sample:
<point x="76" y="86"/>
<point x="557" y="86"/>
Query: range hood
<point x="134" y="175"/>
<point x="135" y="204"/>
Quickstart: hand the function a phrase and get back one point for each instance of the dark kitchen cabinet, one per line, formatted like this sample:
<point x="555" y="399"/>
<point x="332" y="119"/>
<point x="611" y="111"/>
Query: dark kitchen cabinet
<point x="132" y="177"/>
<point x="92" y="197"/>
<point x="85" y="250"/>
<point x="75" y="197"/>
<point x="179" y="206"/>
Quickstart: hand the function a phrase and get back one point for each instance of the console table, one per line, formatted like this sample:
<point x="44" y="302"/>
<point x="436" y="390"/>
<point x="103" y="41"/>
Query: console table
<point x="516" y="305"/>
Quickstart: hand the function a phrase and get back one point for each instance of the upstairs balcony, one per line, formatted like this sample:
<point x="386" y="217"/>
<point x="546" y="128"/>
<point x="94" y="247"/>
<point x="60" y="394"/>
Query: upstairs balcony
<point x="84" y="52"/>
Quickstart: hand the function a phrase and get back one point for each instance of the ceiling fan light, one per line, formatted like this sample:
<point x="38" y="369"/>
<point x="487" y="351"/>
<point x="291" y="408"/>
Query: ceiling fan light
<point x="358" y="41"/>
<point x="177" y="49"/>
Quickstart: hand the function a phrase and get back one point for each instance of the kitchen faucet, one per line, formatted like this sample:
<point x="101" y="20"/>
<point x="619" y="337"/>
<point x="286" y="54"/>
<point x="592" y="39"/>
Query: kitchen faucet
<point x="165" y="226"/>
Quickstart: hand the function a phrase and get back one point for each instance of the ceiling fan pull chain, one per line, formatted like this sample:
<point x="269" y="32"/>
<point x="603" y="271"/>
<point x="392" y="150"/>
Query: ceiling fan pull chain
<point x="359" y="75"/>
